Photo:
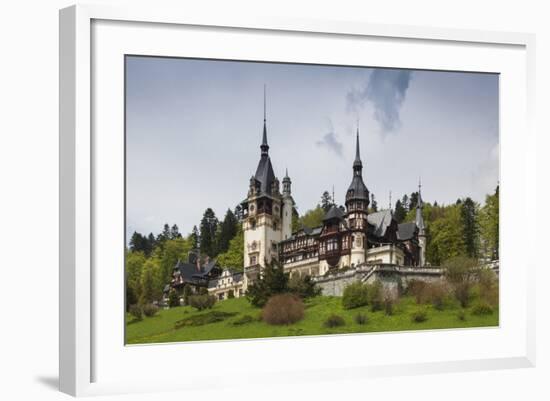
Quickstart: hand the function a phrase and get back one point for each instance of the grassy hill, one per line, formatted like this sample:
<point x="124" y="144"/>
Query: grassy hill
<point x="236" y="318"/>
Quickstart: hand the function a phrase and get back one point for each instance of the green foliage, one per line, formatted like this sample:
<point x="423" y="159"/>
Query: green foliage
<point x="460" y="272"/>
<point x="136" y="312"/>
<point x="419" y="316"/>
<point x="446" y="236"/>
<point x="141" y="243"/>
<point x="469" y="211"/>
<point x="173" y="299"/>
<point x="201" y="302"/>
<point x="361" y="319"/>
<point x="334" y="321"/>
<point x="326" y="201"/>
<point x="489" y="225"/>
<point x="150" y="310"/>
<point x="399" y="213"/>
<point x="234" y="256"/>
<point x="134" y="265"/>
<point x="482" y="308"/>
<point x="488" y="286"/>
<point x="228" y="230"/>
<point x="355" y="295"/>
<point x="304" y="287"/>
<point x="245" y="319"/>
<point x="173" y="250"/>
<point x="312" y="218"/>
<point x="273" y="281"/>
<point x="283" y="309"/>
<point x="208" y="229"/>
<point x="376" y="295"/>
<point x="461" y="315"/>
<point x="187" y="292"/>
<point x="152" y="281"/>
<point x="204" y="318"/>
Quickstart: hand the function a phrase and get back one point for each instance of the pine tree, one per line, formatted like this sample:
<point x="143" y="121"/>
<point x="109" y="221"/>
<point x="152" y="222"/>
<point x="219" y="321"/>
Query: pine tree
<point x="164" y="236"/>
<point x="405" y="202"/>
<point x="470" y="228"/>
<point x="226" y="232"/>
<point x="413" y="201"/>
<point x="175" y="232"/>
<point x="194" y="236"/>
<point x="399" y="212"/>
<point x="209" y="226"/>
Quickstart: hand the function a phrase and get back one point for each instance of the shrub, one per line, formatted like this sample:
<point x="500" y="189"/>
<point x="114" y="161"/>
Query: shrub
<point x="416" y="289"/>
<point x="361" y="318"/>
<point x="136" y="312"/>
<point x="388" y="305"/>
<point x="201" y="302"/>
<point x="187" y="292"/>
<point x="173" y="299"/>
<point x="304" y="287"/>
<point x="334" y="321"/>
<point x="459" y="272"/>
<point x="272" y="281"/>
<point x="150" y="310"/>
<point x="482" y="308"/>
<point x="461" y="315"/>
<point x="488" y="286"/>
<point x="355" y="295"/>
<point x="437" y="294"/>
<point x="243" y="320"/>
<point x="230" y="294"/>
<point x="202" y="319"/>
<point x="419" y="316"/>
<point x="376" y="295"/>
<point x="283" y="309"/>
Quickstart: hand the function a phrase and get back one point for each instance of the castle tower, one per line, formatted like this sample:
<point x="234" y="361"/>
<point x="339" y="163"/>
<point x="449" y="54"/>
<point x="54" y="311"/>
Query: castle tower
<point x="263" y="214"/>
<point x="419" y="220"/>
<point x="357" y="203"/>
<point x="288" y="206"/>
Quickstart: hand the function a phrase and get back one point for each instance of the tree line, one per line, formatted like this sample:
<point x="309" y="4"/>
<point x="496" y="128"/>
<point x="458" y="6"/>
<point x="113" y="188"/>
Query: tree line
<point x="150" y="259"/>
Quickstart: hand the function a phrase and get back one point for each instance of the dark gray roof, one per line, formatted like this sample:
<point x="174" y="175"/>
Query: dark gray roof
<point x="264" y="175"/>
<point x="381" y="221"/>
<point x="334" y="213"/>
<point x="357" y="189"/>
<point x="187" y="270"/>
<point x="405" y="231"/>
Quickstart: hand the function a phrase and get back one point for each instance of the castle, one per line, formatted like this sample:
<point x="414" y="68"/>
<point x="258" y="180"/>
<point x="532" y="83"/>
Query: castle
<point x="351" y="243"/>
<point x="349" y="237"/>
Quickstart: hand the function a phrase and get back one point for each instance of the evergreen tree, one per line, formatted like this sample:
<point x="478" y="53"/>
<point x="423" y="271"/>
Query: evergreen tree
<point x="470" y="228"/>
<point x="413" y="201"/>
<point x="228" y="229"/>
<point x="273" y="281"/>
<point x="312" y="218"/>
<point x="234" y="256"/>
<point x="326" y="201"/>
<point x="164" y="236"/>
<point x="151" y="243"/>
<point x="151" y="282"/>
<point x="175" y="232"/>
<point x="194" y="237"/>
<point x="209" y="226"/>
<point x="399" y="212"/>
<point x="489" y="225"/>
<point x="174" y="250"/>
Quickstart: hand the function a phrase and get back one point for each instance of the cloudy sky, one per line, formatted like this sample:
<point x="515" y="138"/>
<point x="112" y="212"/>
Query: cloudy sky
<point x="194" y="130"/>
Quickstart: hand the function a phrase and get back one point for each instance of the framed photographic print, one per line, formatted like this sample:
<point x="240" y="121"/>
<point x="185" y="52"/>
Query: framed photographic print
<point x="321" y="191"/>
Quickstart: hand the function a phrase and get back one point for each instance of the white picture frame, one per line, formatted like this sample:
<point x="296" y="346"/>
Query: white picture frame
<point x="81" y="212"/>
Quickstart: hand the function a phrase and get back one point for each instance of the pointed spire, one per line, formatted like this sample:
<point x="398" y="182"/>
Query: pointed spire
<point x="390" y="200"/>
<point x="419" y="203"/>
<point x="419" y="220"/>
<point x="333" y="201"/>
<point x="357" y="164"/>
<point x="264" y="146"/>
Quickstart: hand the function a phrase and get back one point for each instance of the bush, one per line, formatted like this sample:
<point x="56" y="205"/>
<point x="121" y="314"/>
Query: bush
<point x="272" y="281"/>
<point x="187" y="292"/>
<point x="243" y="320"/>
<point x="355" y="295"/>
<point x="419" y="316"/>
<point x="136" y="312"/>
<point x="482" y="308"/>
<point x="201" y="302"/>
<point x="150" y="310"/>
<point x="388" y="305"/>
<point x="488" y="286"/>
<point x="461" y="315"/>
<point x="173" y="299"/>
<point x="376" y="295"/>
<point x="304" y="287"/>
<point x="204" y="318"/>
<point x="416" y="288"/>
<point x="361" y="319"/>
<point x="283" y="309"/>
<point x="334" y="321"/>
<point x="230" y="294"/>
<point x="460" y="272"/>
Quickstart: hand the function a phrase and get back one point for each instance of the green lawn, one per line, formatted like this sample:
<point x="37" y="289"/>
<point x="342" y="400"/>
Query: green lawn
<point x="197" y="326"/>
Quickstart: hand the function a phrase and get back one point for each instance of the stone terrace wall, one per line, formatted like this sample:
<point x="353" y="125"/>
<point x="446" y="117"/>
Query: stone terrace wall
<point x="392" y="277"/>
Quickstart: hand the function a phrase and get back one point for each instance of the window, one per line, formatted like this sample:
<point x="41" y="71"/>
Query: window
<point x="253" y="260"/>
